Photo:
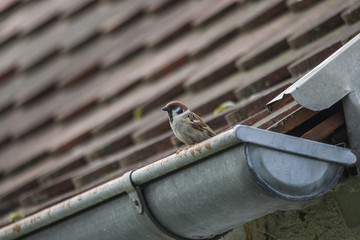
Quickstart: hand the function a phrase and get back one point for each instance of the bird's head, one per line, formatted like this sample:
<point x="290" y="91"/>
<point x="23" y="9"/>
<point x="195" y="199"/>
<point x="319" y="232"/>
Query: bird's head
<point x="174" y="109"/>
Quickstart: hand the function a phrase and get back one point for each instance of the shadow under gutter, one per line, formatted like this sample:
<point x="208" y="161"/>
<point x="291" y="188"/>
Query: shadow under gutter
<point x="336" y="78"/>
<point x="207" y="190"/>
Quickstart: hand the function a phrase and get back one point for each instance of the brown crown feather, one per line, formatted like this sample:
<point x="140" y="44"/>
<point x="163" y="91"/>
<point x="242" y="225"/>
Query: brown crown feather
<point x="177" y="103"/>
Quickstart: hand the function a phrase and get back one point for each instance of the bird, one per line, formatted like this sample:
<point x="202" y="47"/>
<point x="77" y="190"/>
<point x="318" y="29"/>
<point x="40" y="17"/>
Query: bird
<point x="187" y="126"/>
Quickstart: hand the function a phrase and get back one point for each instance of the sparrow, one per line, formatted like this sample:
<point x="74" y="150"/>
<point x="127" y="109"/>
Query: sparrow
<point x="188" y="127"/>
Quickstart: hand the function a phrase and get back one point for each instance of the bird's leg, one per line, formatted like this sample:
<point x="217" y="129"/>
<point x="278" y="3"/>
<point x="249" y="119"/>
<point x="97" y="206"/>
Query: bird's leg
<point x="182" y="149"/>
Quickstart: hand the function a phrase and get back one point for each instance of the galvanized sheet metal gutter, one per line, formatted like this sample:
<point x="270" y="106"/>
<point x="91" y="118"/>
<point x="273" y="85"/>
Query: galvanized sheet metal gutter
<point x="204" y="191"/>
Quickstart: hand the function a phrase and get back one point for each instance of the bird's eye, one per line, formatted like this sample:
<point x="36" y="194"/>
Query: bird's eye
<point x="179" y="110"/>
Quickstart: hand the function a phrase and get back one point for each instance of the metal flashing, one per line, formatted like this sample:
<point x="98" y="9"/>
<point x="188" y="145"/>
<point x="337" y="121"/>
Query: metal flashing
<point x="336" y="78"/>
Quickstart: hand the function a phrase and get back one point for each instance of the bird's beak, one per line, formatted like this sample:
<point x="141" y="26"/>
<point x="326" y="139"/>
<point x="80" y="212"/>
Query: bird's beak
<point x="166" y="108"/>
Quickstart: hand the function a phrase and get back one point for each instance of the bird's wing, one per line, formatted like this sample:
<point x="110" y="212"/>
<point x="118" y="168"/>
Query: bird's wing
<point x="199" y="124"/>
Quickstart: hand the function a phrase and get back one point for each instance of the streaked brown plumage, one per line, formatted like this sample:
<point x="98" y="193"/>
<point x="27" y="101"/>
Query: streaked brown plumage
<point x="188" y="127"/>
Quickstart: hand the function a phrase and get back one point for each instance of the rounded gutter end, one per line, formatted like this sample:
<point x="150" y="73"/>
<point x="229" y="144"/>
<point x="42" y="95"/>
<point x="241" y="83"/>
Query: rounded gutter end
<point x="293" y="168"/>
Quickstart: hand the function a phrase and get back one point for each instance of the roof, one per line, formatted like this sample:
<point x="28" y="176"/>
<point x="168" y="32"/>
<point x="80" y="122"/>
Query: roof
<point x="83" y="82"/>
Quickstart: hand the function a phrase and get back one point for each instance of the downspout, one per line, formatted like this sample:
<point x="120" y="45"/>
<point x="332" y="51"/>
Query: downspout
<point x="209" y="189"/>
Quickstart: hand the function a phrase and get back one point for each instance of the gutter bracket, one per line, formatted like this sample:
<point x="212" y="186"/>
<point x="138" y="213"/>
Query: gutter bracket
<point x="139" y="204"/>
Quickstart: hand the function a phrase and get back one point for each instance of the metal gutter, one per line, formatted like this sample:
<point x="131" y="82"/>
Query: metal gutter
<point x="336" y="78"/>
<point x="209" y="189"/>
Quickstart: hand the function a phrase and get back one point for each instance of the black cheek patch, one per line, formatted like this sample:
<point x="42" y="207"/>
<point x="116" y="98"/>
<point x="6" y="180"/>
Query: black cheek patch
<point x="179" y="110"/>
<point x="170" y="116"/>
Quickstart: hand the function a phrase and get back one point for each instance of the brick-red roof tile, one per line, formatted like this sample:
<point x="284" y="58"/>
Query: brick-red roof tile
<point x="154" y="6"/>
<point x="300" y="5"/>
<point x="38" y="82"/>
<point x="352" y="14"/>
<point x="7" y="4"/>
<point x="322" y="19"/>
<point x="212" y="8"/>
<point x="171" y="23"/>
<point x="26" y="180"/>
<point x="70" y="8"/>
<point x="270" y="119"/>
<point x="325" y="128"/>
<point x="94" y="171"/>
<point x="221" y="63"/>
<point x="46" y="192"/>
<point x="292" y="120"/>
<point x="311" y="60"/>
<point x="255" y="103"/>
<point x="27" y="150"/>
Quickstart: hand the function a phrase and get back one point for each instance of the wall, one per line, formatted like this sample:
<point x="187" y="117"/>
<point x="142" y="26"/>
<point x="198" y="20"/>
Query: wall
<point x="336" y="216"/>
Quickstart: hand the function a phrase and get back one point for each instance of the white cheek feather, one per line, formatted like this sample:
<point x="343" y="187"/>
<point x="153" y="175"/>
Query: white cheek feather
<point x="175" y="115"/>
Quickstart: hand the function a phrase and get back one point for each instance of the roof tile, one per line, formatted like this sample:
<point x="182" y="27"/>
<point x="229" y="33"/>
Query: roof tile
<point x="277" y="115"/>
<point x="171" y="87"/>
<point x="46" y="192"/>
<point x="24" y="181"/>
<point x="272" y="48"/>
<point x="23" y="22"/>
<point x="153" y="6"/>
<point x="7" y="73"/>
<point x="123" y="78"/>
<point x="36" y="83"/>
<point x="274" y="45"/>
<point x="267" y="11"/>
<point x="292" y="120"/>
<point x="7" y="4"/>
<point x="221" y="63"/>
<point x="226" y="27"/>
<point x="89" y="24"/>
<point x="319" y="50"/>
<point x="80" y="105"/>
<point x="126" y="42"/>
<point x="217" y="122"/>
<point x="311" y="60"/>
<point x="250" y="121"/>
<point x="109" y="142"/>
<point x="26" y="151"/>
<point x="297" y="5"/>
<point x="255" y="103"/>
<point x="263" y="82"/>
<point x="325" y="128"/>
<point x="35" y="115"/>
<point x="7" y="91"/>
<point x="31" y="51"/>
<point x="152" y="128"/>
<point x="212" y="8"/>
<point x="109" y="115"/>
<point x="95" y="171"/>
<point x="320" y="20"/>
<point x="167" y="59"/>
<point x="128" y="11"/>
<point x="126" y="158"/>
<point x="171" y="23"/>
<point x="4" y="210"/>
<point x="71" y="8"/>
<point x="147" y="149"/>
<point x="61" y="166"/>
<point x="79" y="68"/>
<point x="352" y="14"/>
